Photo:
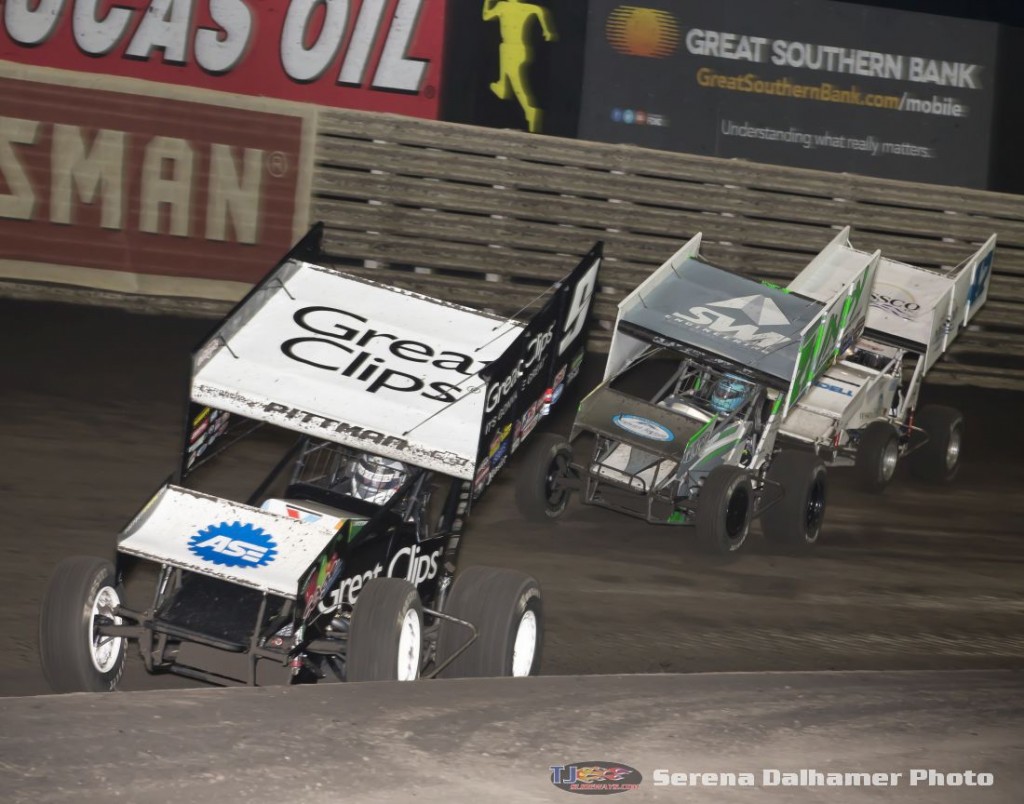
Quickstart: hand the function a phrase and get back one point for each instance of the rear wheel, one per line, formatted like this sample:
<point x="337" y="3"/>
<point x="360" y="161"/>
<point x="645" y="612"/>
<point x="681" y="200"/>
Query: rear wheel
<point x="540" y="494"/>
<point x="724" y="510"/>
<point x="878" y="452"/>
<point x="386" y="635"/>
<point x="81" y="597"/>
<point x="505" y="606"/>
<point x="794" y="523"/>
<point x="938" y="461"/>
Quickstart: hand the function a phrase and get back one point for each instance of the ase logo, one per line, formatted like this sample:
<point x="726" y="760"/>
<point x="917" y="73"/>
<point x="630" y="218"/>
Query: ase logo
<point x="596" y="778"/>
<point x="234" y="544"/>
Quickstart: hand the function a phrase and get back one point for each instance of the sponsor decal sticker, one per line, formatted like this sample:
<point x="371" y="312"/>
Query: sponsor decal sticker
<point x="897" y="301"/>
<point x="760" y="310"/>
<point x="981" y="277"/>
<point x="482" y="478"/>
<point x="234" y="544"/>
<point x="320" y="580"/>
<point x="315" y="420"/>
<point x="211" y="425"/>
<point x="838" y="389"/>
<point x="595" y="777"/>
<point x="644" y="428"/>
<point x="337" y="340"/>
<point x="409" y="563"/>
<point x="574" y="367"/>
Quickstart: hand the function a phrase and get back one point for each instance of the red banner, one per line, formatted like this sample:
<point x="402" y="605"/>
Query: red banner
<point x="147" y="184"/>
<point x="377" y="55"/>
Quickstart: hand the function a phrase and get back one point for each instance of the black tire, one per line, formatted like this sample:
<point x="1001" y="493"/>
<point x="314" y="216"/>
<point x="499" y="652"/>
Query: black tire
<point x="724" y="510"/>
<point x="938" y="461"/>
<point x="73" y="656"/>
<point x="546" y="460"/>
<point x="379" y="618"/>
<point x="793" y="524"/>
<point x="505" y="606"/>
<point x="878" y="452"/>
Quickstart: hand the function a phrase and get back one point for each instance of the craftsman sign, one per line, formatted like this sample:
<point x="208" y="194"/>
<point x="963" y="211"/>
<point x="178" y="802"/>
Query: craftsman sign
<point x="146" y="184"/>
<point x="378" y="55"/>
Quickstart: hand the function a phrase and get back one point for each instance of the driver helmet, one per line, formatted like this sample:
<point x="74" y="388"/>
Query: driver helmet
<point x="729" y="392"/>
<point x="375" y="479"/>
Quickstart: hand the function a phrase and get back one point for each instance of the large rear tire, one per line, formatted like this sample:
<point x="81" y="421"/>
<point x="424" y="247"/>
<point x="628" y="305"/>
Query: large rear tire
<point x="938" y="461"/>
<point x="724" y="510"/>
<point x="539" y="496"/>
<point x="385" y="641"/>
<point x="793" y="524"/>
<point x="81" y="596"/>
<point x="878" y="452"/>
<point x="506" y="608"/>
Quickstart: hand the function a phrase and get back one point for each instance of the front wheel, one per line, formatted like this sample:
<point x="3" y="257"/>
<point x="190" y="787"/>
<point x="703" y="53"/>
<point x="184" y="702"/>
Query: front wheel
<point x="938" y="460"/>
<point x="81" y="598"/>
<point x="385" y="639"/>
<point x="724" y="510"/>
<point x="541" y="494"/>
<point x="506" y="608"/>
<point x="794" y="523"/>
<point x="878" y="452"/>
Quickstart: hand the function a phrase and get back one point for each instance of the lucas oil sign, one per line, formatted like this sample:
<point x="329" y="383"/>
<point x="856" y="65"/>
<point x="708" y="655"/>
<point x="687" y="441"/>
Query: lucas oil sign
<point x="379" y="55"/>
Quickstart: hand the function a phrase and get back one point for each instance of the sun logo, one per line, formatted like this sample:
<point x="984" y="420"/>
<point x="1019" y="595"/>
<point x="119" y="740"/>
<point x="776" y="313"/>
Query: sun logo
<point x="645" y="32"/>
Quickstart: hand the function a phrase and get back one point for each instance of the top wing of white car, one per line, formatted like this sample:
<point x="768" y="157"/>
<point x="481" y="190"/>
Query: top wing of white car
<point x="925" y="310"/>
<point x="915" y="308"/>
<point x="360" y="363"/>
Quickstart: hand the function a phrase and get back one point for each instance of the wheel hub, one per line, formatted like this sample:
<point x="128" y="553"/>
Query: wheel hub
<point x="525" y="647"/>
<point x="890" y="456"/>
<point x="105" y="650"/>
<point x="953" y="448"/>
<point x="409" y="644"/>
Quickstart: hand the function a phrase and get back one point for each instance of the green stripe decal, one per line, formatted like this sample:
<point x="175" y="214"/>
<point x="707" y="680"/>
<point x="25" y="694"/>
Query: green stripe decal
<point x="700" y="432"/>
<point x="717" y="452"/>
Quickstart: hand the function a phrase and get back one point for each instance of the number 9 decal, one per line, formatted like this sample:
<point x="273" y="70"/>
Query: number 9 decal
<point x="580" y="305"/>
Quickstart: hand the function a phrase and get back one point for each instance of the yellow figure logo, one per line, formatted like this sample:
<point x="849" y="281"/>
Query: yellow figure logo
<point x="516" y="54"/>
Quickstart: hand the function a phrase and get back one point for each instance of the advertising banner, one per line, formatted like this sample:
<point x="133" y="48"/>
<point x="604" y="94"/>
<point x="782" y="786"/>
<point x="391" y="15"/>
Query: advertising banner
<point x="515" y="64"/>
<point x="102" y="182"/>
<point x="376" y="55"/>
<point x="831" y="86"/>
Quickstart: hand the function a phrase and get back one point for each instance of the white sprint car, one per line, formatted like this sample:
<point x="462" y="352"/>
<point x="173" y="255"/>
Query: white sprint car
<point x="863" y="410"/>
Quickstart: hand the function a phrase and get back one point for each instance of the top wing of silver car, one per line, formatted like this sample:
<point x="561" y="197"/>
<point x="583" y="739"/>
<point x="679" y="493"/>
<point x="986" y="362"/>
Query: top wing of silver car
<point x="779" y="338"/>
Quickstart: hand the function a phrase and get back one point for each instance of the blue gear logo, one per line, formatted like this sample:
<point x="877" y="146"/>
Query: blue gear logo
<point x="234" y="544"/>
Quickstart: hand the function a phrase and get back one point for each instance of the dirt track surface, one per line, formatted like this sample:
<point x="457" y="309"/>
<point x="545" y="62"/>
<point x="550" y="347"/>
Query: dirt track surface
<point x="465" y="741"/>
<point x="90" y="423"/>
